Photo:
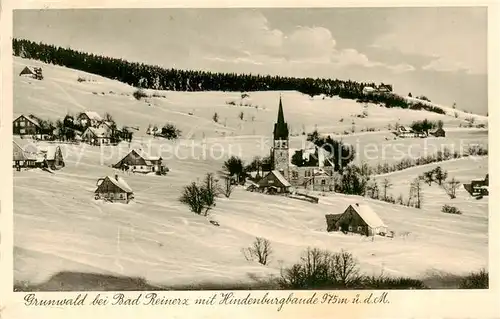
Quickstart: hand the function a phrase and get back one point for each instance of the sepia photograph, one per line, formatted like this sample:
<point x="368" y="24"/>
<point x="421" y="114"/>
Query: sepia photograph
<point x="169" y="149"/>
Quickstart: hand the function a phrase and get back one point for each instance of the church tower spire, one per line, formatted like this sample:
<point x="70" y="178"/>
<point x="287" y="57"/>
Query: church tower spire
<point x="280" y="128"/>
<point x="280" y="152"/>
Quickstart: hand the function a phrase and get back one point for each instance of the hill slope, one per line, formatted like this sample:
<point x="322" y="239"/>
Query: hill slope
<point x="60" y="227"/>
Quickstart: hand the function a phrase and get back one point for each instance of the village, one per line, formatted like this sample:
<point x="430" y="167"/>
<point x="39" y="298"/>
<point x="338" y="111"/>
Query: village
<point x="100" y="163"/>
<point x="280" y="177"/>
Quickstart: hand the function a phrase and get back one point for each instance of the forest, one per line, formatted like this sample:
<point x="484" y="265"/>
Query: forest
<point x="155" y="77"/>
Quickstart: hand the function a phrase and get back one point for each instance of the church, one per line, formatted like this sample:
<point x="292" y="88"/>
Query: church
<point x="317" y="178"/>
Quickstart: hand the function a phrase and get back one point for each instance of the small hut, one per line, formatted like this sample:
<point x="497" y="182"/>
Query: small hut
<point x="274" y="182"/>
<point x="113" y="189"/>
<point x="360" y="219"/>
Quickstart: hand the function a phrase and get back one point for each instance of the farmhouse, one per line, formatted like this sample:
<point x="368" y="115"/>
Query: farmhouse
<point x="113" y="189"/>
<point x="27" y="157"/>
<point x="35" y="73"/>
<point x="478" y="186"/>
<point x="89" y="118"/>
<point x="96" y="136"/>
<point x="141" y="162"/>
<point x="360" y="219"/>
<point x="26" y="125"/>
<point x="274" y="182"/>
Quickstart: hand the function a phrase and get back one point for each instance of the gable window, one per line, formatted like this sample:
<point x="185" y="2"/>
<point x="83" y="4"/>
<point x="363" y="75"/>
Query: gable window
<point x="323" y="182"/>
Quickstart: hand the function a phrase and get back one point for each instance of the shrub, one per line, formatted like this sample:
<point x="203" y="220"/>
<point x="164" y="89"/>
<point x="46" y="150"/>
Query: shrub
<point x="383" y="282"/>
<point x="260" y="251"/>
<point x="451" y="210"/>
<point x="475" y="280"/>
<point x="170" y="132"/>
<point x="321" y="269"/>
<point x="139" y="94"/>
<point x="215" y="117"/>
<point x="200" y="198"/>
<point x="81" y="79"/>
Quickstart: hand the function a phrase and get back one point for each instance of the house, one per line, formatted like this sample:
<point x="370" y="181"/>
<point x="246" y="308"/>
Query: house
<point x="89" y="118"/>
<point x="28" y="71"/>
<point x="439" y="132"/>
<point x="274" y="182"/>
<point x="26" y="125"/>
<point x="141" y="162"/>
<point x="113" y="189"/>
<point x="53" y="156"/>
<point x="27" y="156"/>
<point x="35" y="73"/>
<point x="96" y="136"/>
<point x="360" y="219"/>
<point x="478" y="186"/>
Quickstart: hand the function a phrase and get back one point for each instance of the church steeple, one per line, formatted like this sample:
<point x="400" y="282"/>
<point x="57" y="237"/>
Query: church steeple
<point x="280" y="128"/>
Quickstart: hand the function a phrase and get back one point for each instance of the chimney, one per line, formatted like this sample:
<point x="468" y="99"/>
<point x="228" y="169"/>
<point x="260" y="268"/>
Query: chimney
<point x="357" y="204"/>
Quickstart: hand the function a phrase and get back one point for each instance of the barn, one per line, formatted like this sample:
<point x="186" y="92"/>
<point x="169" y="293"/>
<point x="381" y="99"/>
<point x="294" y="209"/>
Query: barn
<point x="27" y="155"/>
<point x="113" y="189"/>
<point x="360" y="219"/>
<point x="141" y="162"/>
<point x="274" y="182"/>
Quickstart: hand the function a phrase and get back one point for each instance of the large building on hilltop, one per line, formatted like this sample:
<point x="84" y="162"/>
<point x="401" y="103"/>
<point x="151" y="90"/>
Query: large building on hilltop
<point x="318" y="178"/>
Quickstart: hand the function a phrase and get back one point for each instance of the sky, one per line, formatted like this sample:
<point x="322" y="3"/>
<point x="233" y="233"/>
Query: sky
<point x="439" y="52"/>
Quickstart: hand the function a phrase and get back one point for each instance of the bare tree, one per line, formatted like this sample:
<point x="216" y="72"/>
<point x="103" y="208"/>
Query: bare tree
<point x="416" y="192"/>
<point x="386" y="184"/>
<point x="451" y="187"/>
<point x="260" y="250"/>
<point x="228" y="185"/>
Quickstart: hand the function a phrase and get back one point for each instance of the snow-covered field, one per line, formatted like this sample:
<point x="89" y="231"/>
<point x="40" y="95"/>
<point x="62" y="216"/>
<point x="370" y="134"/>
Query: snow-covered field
<point x="60" y="227"/>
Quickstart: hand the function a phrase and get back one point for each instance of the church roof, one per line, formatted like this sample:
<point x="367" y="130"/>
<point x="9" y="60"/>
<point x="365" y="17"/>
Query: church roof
<point x="281" y="127"/>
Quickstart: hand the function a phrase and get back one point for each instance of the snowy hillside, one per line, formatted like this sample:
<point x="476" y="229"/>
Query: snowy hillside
<point x="60" y="227"/>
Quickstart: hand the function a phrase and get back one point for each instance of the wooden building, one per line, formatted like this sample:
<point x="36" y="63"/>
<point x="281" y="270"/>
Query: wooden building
<point x="96" y="136"/>
<point x="26" y="125"/>
<point x="89" y="118"/>
<point x="27" y="156"/>
<point x="274" y="182"/>
<point x="478" y="187"/>
<point x="113" y="189"/>
<point x="141" y="162"/>
<point x="360" y="219"/>
<point x="35" y="73"/>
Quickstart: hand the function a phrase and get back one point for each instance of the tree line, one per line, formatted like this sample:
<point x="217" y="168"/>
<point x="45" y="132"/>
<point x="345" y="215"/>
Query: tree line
<point x="155" y="77"/>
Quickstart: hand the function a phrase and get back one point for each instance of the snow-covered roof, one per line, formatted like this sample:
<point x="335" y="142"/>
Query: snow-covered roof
<point x="281" y="178"/>
<point x="93" y="115"/>
<point x="30" y="118"/>
<point x="368" y="215"/>
<point x="120" y="182"/>
<point x="99" y="132"/>
<point x="147" y="156"/>
<point x="49" y="150"/>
